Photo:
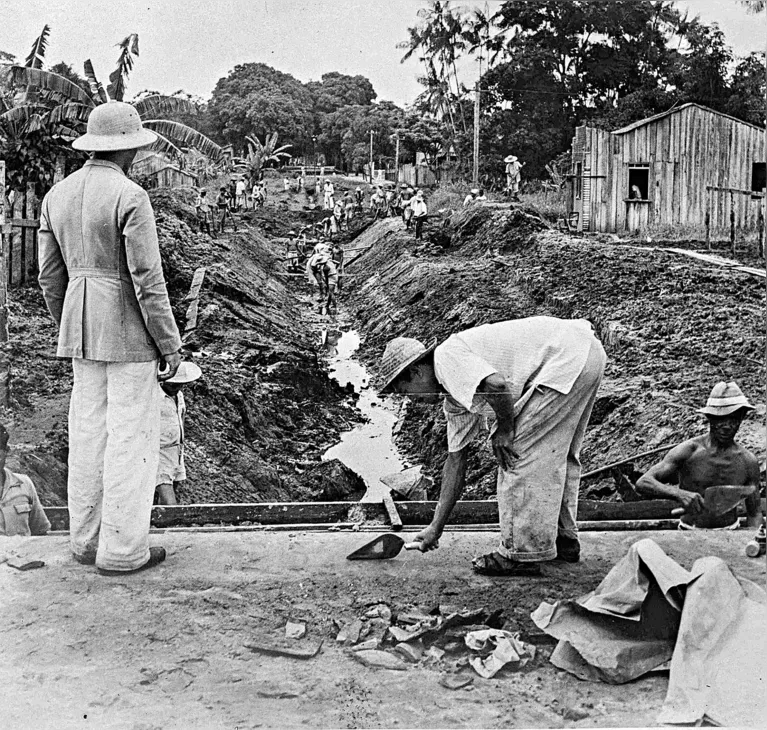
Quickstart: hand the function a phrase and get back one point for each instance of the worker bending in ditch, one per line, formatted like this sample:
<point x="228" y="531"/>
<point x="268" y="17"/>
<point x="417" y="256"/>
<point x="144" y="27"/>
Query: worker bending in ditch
<point x="711" y="460"/>
<point x="102" y="279"/>
<point x="538" y="377"/>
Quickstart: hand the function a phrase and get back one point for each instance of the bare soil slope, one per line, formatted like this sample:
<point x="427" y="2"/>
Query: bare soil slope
<point x="672" y="326"/>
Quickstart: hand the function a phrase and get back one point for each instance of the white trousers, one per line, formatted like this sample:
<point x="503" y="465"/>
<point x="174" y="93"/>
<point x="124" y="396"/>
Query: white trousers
<point x="538" y="496"/>
<point x="114" y="447"/>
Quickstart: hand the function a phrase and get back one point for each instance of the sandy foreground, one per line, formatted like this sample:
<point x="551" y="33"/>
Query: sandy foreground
<point x="166" y="648"/>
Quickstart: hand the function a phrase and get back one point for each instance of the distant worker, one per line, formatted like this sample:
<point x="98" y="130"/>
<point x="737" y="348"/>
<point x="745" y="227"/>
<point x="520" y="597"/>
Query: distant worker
<point x="712" y="460"/>
<point x="203" y="211"/>
<point x="348" y="209"/>
<point x="20" y="510"/>
<point x="102" y="279"/>
<point x="538" y="377"/>
<point x="420" y="213"/>
<point x="407" y="212"/>
<point x="241" y="198"/>
<point x="328" y="192"/>
<point x="337" y="254"/>
<point x="377" y="204"/>
<point x="286" y="184"/>
<point x="359" y="197"/>
<point x="471" y="197"/>
<point x="339" y="217"/>
<point x="513" y="175"/>
<point x="171" y="471"/>
<point x="481" y="198"/>
<point x="636" y="193"/>
<point x="224" y="207"/>
<point x="322" y="271"/>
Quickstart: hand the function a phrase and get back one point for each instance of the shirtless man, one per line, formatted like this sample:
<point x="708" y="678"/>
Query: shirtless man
<point x="714" y="459"/>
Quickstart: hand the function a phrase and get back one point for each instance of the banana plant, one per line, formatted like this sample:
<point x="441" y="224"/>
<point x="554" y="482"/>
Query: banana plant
<point x="260" y="154"/>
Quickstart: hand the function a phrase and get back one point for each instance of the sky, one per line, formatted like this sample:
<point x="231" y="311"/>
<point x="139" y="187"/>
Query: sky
<point x="189" y="45"/>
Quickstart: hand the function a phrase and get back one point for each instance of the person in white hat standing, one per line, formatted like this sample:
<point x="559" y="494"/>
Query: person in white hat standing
<point x="711" y="460"/>
<point x="171" y="473"/>
<point x="102" y="279"/>
<point x="538" y="378"/>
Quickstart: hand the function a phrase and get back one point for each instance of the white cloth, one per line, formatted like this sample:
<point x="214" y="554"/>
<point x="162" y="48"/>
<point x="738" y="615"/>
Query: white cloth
<point x="531" y="352"/>
<point x="649" y="609"/>
<point x="418" y="206"/>
<point x="114" y="445"/>
<point x="172" y="414"/>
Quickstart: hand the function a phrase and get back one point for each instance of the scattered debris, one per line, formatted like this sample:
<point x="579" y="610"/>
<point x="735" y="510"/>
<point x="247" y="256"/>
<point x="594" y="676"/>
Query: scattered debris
<point x="350" y="633"/>
<point x="379" y="659"/>
<point x="295" y="630"/>
<point x="25" y="563"/>
<point x="453" y="681"/>
<point x="366" y="645"/>
<point x="303" y="650"/>
<point x="410" y="652"/>
<point x="506" y="649"/>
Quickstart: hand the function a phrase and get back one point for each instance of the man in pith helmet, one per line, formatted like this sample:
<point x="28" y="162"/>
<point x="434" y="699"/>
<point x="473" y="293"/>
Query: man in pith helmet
<point x="102" y="279"/>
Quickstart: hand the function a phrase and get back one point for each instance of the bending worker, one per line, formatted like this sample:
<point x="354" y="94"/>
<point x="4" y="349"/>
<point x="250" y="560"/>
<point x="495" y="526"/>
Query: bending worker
<point x="102" y="279"/>
<point x="538" y="377"/>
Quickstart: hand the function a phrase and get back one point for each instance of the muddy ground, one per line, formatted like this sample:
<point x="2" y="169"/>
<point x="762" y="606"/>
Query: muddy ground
<point x="672" y="326"/>
<point x="167" y="648"/>
<point x="264" y="412"/>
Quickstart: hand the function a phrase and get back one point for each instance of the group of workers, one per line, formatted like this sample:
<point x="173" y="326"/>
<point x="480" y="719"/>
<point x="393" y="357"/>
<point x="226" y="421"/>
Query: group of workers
<point x="537" y="378"/>
<point x="238" y="196"/>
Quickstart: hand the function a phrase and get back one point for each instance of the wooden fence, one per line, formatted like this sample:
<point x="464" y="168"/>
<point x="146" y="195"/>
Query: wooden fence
<point x="19" y="221"/>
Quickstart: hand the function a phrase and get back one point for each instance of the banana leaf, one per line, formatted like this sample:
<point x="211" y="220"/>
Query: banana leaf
<point x="37" y="54"/>
<point x="184" y="136"/>
<point x="23" y="76"/>
<point x="158" y="104"/>
<point x="97" y="88"/>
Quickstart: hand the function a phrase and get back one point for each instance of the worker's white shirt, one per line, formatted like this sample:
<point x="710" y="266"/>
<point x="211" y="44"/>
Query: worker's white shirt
<point x="527" y="352"/>
<point x="418" y="207"/>
<point x="240" y="187"/>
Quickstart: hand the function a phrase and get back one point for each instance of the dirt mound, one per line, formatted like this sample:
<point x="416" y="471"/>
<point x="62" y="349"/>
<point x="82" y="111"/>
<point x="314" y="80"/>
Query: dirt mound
<point x="672" y="326"/>
<point x="263" y="413"/>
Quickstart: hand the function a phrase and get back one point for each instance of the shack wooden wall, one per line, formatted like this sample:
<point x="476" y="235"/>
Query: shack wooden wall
<point x="694" y="157"/>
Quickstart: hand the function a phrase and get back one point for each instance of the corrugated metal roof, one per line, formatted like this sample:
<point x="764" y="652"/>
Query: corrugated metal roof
<point x="676" y="109"/>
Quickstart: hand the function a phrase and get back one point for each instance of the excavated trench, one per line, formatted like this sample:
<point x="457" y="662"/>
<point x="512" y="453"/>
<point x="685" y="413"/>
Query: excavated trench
<point x="285" y="410"/>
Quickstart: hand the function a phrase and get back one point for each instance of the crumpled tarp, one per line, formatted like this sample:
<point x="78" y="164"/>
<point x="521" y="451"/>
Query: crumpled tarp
<point x="507" y="648"/>
<point x="649" y="610"/>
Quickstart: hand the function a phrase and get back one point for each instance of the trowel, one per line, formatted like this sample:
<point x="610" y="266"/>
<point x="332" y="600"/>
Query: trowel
<point x="719" y="500"/>
<point x="382" y="548"/>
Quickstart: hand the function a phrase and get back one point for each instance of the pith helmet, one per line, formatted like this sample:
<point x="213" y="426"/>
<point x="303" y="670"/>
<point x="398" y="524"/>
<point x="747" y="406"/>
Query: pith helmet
<point x="399" y="355"/>
<point x="187" y="372"/>
<point x="114" y="126"/>
<point x="725" y="398"/>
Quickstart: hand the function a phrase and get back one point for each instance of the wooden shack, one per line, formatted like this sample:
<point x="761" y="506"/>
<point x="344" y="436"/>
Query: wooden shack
<point x="672" y="170"/>
<point x="160" y="171"/>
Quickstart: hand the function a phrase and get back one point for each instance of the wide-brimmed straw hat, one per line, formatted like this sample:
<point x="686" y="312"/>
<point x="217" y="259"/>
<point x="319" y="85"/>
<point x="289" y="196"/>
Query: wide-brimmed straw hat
<point x="510" y="158"/>
<point x="725" y="398"/>
<point x="114" y="126"/>
<point x="399" y="355"/>
<point x="187" y="372"/>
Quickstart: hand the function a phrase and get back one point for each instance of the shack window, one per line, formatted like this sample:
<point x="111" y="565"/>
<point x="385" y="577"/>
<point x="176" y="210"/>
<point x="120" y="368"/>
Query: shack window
<point x="639" y="183"/>
<point x="758" y="176"/>
<point x="578" y="180"/>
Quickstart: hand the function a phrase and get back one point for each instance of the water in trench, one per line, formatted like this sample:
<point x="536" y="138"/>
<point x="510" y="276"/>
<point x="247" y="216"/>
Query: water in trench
<point x="368" y="449"/>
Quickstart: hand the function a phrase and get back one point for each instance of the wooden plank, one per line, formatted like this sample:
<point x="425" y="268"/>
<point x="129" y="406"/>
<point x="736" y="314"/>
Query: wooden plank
<point x="24" y="223"/>
<point x="467" y="512"/>
<point x="16" y="248"/>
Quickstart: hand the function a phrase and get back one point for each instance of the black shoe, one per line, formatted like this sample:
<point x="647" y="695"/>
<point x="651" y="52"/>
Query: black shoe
<point x="568" y="549"/>
<point x="156" y="556"/>
<point x="86" y="559"/>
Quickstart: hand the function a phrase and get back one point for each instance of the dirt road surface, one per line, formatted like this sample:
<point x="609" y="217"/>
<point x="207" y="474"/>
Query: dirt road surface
<point x="166" y="648"/>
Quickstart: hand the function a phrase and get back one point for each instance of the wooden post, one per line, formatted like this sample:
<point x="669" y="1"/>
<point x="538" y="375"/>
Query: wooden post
<point x="732" y="223"/>
<point x="708" y="229"/>
<point x="29" y="236"/>
<point x="475" y="167"/>
<point x="5" y="229"/>
<point x="760" y="230"/>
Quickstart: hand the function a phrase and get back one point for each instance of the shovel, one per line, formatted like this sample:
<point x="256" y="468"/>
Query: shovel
<point x="382" y="548"/>
<point x="718" y="500"/>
